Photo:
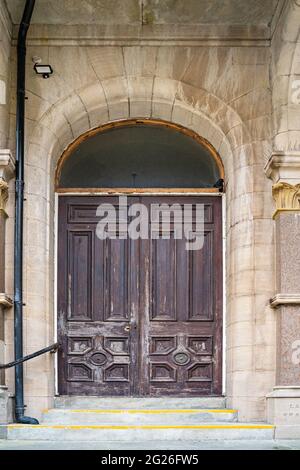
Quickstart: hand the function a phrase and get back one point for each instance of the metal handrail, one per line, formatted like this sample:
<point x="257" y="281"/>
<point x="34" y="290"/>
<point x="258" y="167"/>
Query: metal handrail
<point x="53" y="348"/>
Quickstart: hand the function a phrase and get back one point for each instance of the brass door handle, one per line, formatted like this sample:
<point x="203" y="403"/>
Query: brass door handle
<point x="127" y="328"/>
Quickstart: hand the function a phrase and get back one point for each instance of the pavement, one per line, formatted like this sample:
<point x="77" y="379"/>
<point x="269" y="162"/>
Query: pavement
<point x="152" y="445"/>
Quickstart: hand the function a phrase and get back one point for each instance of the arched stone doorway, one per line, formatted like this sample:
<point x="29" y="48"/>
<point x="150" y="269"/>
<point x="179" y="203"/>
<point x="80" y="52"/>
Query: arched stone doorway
<point x="139" y="316"/>
<point x="248" y="319"/>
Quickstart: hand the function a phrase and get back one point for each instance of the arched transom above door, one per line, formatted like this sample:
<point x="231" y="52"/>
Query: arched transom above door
<point x="139" y="154"/>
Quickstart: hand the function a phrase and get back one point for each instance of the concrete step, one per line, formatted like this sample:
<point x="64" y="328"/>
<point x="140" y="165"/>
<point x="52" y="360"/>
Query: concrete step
<point x="138" y="417"/>
<point x="161" y="403"/>
<point x="127" y="433"/>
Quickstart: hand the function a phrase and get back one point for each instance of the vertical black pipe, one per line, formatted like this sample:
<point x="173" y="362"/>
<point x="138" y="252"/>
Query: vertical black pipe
<point x="18" y="254"/>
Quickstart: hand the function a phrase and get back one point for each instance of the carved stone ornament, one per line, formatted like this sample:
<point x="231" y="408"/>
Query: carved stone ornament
<point x="7" y="167"/>
<point x="6" y="173"/>
<point x="3" y="194"/>
<point x="5" y="301"/>
<point x="287" y="197"/>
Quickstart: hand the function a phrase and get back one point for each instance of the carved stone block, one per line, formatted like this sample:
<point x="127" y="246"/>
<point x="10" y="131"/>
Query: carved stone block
<point x="283" y="410"/>
<point x="6" y="413"/>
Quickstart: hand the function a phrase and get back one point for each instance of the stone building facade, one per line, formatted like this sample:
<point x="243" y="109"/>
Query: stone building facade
<point x="236" y="85"/>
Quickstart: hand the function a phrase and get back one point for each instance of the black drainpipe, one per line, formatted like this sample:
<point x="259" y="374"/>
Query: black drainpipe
<point x="18" y="257"/>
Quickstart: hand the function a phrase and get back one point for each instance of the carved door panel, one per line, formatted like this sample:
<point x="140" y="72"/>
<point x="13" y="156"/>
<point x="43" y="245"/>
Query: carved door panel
<point x="181" y="309"/>
<point x="97" y="298"/>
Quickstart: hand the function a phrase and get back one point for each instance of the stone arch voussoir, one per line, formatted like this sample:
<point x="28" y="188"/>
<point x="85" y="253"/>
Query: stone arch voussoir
<point x="129" y="97"/>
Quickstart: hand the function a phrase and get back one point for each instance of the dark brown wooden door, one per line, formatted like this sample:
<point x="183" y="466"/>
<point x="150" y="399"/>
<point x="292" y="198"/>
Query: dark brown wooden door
<point x="181" y="308"/>
<point x="138" y="317"/>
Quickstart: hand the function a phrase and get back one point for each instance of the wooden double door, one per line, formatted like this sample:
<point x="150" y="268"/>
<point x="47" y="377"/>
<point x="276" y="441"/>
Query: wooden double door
<point x="138" y="317"/>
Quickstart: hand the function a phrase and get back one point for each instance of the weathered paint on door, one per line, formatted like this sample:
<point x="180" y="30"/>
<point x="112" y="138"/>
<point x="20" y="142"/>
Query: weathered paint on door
<point x="138" y="317"/>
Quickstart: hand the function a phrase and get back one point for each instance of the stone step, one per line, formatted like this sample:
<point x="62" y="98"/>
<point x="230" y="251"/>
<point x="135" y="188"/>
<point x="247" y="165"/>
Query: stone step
<point x="123" y="433"/>
<point x="138" y="417"/>
<point x="161" y="403"/>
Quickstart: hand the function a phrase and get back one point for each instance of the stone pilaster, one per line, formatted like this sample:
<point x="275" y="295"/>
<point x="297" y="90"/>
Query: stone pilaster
<point x="6" y="172"/>
<point x="283" y="403"/>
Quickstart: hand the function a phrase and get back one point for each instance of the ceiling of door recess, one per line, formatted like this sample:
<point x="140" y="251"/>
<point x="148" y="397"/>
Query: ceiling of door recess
<point x="156" y="12"/>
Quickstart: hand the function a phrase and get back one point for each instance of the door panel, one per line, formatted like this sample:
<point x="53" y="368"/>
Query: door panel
<point x="162" y="286"/>
<point x="138" y="317"/>
<point x="182" y="325"/>
<point x="96" y="297"/>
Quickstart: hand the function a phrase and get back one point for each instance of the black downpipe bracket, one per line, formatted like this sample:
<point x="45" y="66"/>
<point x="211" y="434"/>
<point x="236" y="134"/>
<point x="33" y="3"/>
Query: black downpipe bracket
<point x="19" y="203"/>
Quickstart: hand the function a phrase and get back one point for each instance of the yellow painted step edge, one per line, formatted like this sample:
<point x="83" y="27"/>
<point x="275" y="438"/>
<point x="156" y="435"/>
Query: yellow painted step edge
<point x="96" y="426"/>
<point x="167" y="411"/>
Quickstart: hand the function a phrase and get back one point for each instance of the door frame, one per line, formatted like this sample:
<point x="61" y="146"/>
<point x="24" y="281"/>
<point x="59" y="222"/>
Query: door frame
<point x="134" y="192"/>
